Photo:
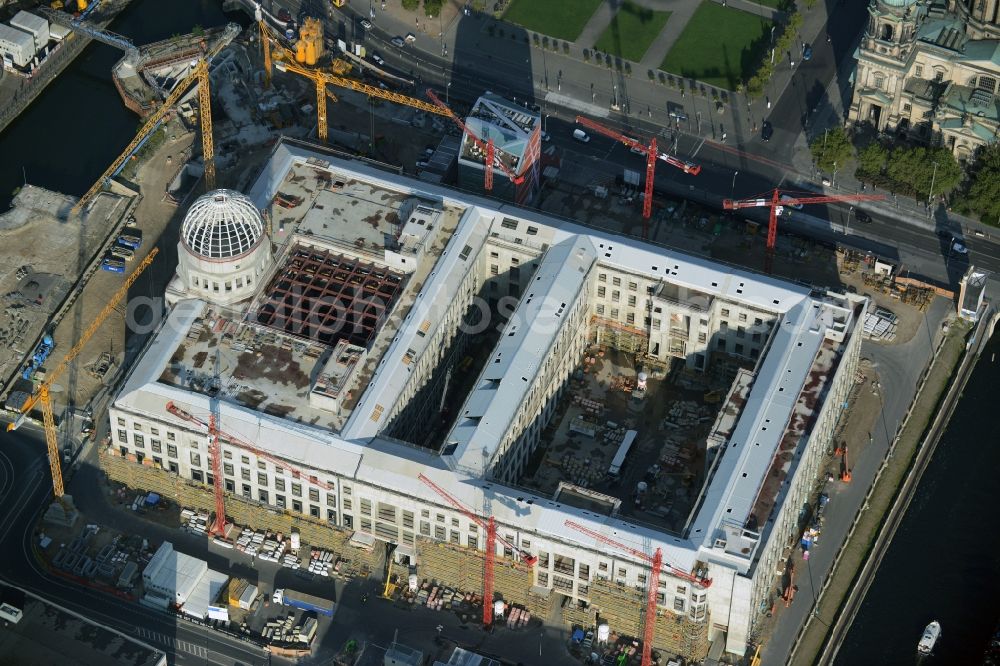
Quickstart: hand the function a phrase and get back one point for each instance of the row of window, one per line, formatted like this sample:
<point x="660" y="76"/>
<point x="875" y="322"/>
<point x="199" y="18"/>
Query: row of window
<point x="203" y="283"/>
<point x="617" y="281"/>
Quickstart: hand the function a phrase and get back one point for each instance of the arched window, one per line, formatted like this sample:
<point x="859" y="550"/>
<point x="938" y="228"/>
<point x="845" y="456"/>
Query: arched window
<point x="987" y="83"/>
<point x="878" y="80"/>
<point x="887" y="33"/>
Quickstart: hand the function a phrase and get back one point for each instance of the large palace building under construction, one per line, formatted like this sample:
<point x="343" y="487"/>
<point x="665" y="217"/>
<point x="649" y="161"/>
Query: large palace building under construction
<point x="373" y="349"/>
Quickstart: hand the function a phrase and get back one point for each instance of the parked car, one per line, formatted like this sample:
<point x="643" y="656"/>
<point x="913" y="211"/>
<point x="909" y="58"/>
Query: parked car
<point x="366" y="24"/>
<point x="398" y="41"/>
<point x="581" y="136"/>
<point x="377" y="59"/>
<point x="766" y="131"/>
<point x="807" y="52"/>
<point x="958" y="247"/>
<point x="863" y="217"/>
<point x="634" y="149"/>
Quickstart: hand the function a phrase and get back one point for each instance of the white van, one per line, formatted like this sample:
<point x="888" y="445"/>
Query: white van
<point x="580" y="136"/>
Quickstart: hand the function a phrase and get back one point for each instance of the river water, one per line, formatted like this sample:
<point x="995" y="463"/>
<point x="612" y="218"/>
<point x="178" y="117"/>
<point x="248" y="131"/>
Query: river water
<point x="944" y="562"/>
<point x="78" y="125"/>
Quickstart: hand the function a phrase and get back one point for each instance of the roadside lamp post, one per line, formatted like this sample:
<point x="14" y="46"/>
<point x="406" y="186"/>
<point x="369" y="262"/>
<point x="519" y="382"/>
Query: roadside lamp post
<point x="447" y="93"/>
<point x="732" y="190"/>
<point x="930" y="210"/>
<point x="850" y="212"/>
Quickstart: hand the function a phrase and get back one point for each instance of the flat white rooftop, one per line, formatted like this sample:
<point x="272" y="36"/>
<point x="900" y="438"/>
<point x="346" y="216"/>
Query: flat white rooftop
<point x="810" y="333"/>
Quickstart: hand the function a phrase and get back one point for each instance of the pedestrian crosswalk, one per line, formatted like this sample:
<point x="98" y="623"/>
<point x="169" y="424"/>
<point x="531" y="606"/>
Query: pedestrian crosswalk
<point x="170" y="641"/>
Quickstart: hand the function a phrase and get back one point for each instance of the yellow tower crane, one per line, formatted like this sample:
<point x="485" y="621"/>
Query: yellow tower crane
<point x="200" y="75"/>
<point x="284" y="61"/>
<point x="42" y="395"/>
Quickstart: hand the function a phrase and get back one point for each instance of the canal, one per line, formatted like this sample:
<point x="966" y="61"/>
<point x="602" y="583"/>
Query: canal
<point x="944" y="562"/>
<point x="78" y="125"/>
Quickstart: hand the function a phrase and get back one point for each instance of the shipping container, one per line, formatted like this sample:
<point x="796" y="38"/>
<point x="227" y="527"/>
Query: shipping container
<point x="131" y="237"/>
<point x="122" y="252"/>
<point x="35" y="26"/>
<point x="113" y="265"/>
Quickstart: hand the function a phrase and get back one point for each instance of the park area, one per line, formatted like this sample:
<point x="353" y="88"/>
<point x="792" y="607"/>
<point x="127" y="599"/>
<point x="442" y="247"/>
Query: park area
<point x="562" y="19"/>
<point x="631" y="32"/>
<point x="720" y="46"/>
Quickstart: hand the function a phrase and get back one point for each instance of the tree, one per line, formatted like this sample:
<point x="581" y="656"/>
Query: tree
<point x="832" y="149"/>
<point x="432" y="8"/>
<point x="920" y="169"/>
<point x="983" y="196"/>
<point x="411" y="5"/>
<point x="872" y="161"/>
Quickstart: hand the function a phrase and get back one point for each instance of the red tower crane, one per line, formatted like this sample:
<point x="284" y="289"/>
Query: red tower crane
<point x="489" y="150"/>
<point x="652" y="154"/>
<point x="216" y="453"/>
<point x="656" y="565"/>
<point x="490" y="526"/>
<point x="779" y="199"/>
<point x="845" y="468"/>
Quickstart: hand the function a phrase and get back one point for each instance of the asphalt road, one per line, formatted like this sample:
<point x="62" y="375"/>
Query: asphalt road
<point x="743" y="166"/>
<point x="25" y="488"/>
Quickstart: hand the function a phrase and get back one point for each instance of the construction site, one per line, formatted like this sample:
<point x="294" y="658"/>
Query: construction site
<point x="630" y="438"/>
<point x="312" y="374"/>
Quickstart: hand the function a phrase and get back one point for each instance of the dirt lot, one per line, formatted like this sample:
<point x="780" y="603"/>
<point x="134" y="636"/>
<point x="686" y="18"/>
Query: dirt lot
<point x="672" y="419"/>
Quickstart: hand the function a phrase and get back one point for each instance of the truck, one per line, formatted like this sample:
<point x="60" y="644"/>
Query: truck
<point x="42" y="352"/>
<point x="12" y="606"/>
<point x="303" y="601"/>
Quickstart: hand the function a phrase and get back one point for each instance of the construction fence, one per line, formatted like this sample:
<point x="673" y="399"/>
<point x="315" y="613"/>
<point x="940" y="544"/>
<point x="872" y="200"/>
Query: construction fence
<point x="240" y="510"/>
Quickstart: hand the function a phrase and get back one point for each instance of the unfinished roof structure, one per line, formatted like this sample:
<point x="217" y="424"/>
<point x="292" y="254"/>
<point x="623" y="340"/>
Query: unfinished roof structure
<point x="407" y="329"/>
<point x="515" y="132"/>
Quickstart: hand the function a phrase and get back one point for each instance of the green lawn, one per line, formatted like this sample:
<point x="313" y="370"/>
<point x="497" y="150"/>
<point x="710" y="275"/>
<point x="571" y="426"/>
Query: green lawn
<point x="562" y="19"/>
<point x="720" y="46"/>
<point x="631" y="32"/>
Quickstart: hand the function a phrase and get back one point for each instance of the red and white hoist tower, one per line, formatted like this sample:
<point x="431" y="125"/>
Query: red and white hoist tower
<point x="215" y="450"/>
<point x="778" y="200"/>
<point x="651" y="154"/>
<point x="656" y="564"/>
<point x="490" y="527"/>
<point x="489" y="150"/>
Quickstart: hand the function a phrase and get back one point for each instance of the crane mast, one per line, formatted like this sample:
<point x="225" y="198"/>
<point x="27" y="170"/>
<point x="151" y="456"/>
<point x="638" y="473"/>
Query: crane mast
<point x="487" y="147"/>
<point x="774" y="202"/>
<point x="656" y="565"/>
<point x="651" y="153"/>
<point x="51" y="439"/>
<point x="489" y="526"/>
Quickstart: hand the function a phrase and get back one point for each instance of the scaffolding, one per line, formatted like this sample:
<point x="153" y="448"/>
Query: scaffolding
<point x="624" y="338"/>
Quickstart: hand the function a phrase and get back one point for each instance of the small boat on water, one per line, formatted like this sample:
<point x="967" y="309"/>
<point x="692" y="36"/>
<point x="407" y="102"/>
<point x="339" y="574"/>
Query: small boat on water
<point x="930" y="638"/>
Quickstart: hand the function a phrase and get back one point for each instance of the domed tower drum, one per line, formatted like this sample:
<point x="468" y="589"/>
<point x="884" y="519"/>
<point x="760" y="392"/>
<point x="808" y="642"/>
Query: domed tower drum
<point x="223" y="251"/>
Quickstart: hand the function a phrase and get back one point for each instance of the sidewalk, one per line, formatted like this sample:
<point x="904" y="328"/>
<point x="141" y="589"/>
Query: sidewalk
<point x="587" y="87"/>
